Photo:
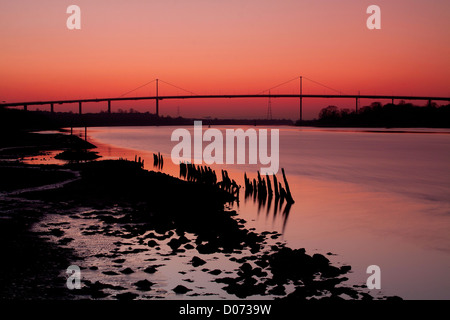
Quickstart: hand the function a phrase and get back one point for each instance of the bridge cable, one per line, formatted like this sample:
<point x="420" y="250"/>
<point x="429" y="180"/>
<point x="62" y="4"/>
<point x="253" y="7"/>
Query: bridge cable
<point x="278" y="85"/>
<point x="193" y="93"/>
<point x="137" y="88"/>
<point x="321" y="84"/>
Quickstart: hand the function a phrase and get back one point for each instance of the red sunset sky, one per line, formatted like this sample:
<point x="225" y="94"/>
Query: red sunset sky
<point x="218" y="47"/>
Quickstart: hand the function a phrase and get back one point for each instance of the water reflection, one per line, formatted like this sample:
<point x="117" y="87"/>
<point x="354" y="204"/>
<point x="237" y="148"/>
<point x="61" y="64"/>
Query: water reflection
<point x="261" y="192"/>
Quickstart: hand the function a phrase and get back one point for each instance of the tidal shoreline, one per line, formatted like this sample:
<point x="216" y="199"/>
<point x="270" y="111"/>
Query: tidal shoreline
<point x="159" y="219"/>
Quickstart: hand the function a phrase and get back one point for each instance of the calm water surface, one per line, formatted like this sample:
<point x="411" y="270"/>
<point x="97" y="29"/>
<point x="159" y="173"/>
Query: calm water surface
<point x="367" y="196"/>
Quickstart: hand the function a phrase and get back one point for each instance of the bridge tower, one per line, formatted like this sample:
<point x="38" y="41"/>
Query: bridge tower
<point x="357" y="102"/>
<point x="301" y="98"/>
<point x="157" y="100"/>
<point x="269" y="108"/>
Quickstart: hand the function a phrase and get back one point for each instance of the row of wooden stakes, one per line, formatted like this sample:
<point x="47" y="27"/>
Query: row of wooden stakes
<point x="261" y="188"/>
<point x="158" y="161"/>
<point x="137" y="160"/>
<point x="206" y="175"/>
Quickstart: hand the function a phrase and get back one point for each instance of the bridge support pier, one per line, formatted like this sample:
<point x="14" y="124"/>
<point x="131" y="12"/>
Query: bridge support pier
<point x="157" y="100"/>
<point x="109" y="106"/>
<point x="80" y="111"/>
<point x="52" y="110"/>
<point x="25" y="107"/>
<point x="301" y="99"/>
<point x="357" y="102"/>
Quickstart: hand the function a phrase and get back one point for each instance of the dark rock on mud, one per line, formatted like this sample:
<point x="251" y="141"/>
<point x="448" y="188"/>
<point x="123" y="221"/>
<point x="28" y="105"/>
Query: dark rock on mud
<point x="127" y="271"/>
<point x="215" y="272"/>
<point x="143" y="285"/>
<point x="180" y="289"/>
<point x="152" y="243"/>
<point x="196" y="261"/>
<point x="118" y="260"/>
<point x="126" y="296"/>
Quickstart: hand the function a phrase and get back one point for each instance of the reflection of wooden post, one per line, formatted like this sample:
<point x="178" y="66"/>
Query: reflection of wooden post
<point x="85" y="133"/>
<point x="288" y="192"/>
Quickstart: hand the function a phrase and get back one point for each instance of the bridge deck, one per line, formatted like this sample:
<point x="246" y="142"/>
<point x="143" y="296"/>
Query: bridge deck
<point x="228" y="96"/>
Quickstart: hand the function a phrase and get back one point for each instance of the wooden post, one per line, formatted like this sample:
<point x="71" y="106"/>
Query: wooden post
<point x="79" y="108"/>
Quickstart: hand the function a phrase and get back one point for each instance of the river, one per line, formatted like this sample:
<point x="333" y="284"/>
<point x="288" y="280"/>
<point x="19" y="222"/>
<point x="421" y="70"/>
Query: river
<point x="368" y="196"/>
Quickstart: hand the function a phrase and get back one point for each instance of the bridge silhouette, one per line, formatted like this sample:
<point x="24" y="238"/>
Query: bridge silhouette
<point x="192" y="95"/>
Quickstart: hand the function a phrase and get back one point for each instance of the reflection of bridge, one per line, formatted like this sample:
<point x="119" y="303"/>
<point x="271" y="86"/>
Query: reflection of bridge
<point x="192" y="95"/>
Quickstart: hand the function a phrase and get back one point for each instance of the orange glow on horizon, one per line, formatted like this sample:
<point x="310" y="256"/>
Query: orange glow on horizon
<point x="229" y="47"/>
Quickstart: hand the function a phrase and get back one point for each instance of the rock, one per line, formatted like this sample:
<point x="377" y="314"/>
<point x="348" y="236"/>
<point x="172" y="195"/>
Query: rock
<point x="394" y="299"/>
<point x="207" y="248"/>
<point x="215" y="272"/>
<point x="278" y="290"/>
<point x="331" y="272"/>
<point x="118" y="260"/>
<point x="262" y="263"/>
<point x="246" y="269"/>
<point x="196" y="261"/>
<point x="181" y="289"/>
<point x="56" y="232"/>
<point x="127" y="271"/>
<point x="143" y="285"/>
<point x="174" y="244"/>
<point x="65" y="241"/>
<point x="152" y="243"/>
<point x="183" y="239"/>
<point x="320" y="261"/>
<point x="247" y="288"/>
<point x="99" y="295"/>
<point x="152" y="269"/>
<point x="258" y="272"/>
<point x="126" y="296"/>
<point x="345" y="269"/>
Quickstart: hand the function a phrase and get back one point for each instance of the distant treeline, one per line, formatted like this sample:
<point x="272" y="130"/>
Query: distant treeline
<point x="390" y="115"/>
<point x="15" y="119"/>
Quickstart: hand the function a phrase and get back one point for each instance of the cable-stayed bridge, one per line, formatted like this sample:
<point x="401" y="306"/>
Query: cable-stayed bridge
<point x="191" y="95"/>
